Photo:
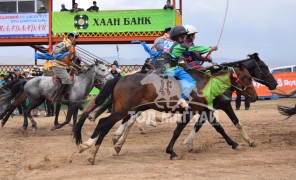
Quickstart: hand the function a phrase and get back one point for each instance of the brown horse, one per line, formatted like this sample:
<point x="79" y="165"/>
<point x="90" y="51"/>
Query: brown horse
<point x="131" y="97"/>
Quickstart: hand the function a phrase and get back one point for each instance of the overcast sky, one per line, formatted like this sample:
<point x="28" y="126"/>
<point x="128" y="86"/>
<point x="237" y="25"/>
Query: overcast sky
<point x="266" y="26"/>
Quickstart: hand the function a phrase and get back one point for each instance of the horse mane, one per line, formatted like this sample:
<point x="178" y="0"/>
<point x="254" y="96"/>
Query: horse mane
<point x="251" y="56"/>
<point x="89" y="68"/>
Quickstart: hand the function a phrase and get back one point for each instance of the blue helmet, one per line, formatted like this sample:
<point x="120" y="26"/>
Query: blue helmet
<point x="17" y="69"/>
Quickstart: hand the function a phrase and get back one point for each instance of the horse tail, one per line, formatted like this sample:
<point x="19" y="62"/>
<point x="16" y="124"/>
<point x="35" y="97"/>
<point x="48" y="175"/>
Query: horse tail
<point x="287" y="111"/>
<point x="10" y="91"/>
<point x="106" y="91"/>
<point x="18" y="87"/>
<point x="5" y="97"/>
<point x="104" y="95"/>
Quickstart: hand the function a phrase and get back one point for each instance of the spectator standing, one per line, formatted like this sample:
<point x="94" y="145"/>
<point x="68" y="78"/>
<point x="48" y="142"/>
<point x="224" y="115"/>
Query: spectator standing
<point x="16" y="74"/>
<point x="168" y="5"/>
<point x="76" y="9"/>
<point x="2" y="80"/>
<point x="42" y="9"/>
<point x="27" y="73"/>
<point x="238" y="101"/>
<point x="36" y="71"/>
<point x="2" y="83"/>
<point x="114" y="71"/>
<point x="93" y="8"/>
<point x="64" y="8"/>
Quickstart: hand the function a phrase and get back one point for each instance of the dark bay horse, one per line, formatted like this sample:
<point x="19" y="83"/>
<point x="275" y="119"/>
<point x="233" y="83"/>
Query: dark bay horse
<point x="257" y="69"/>
<point x="131" y="97"/>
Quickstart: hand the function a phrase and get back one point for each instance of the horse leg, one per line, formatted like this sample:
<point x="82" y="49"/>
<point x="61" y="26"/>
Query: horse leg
<point x="213" y="121"/>
<point x="121" y="140"/>
<point x="119" y="132"/>
<point x="229" y="111"/>
<point x="9" y="110"/>
<point x="91" y="142"/>
<point x="75" y="119"/>
<point x="6" y="114"/>
<point x="71" y="110"/>
<point x="180" y="126"/>
<point x="96" y="147"/>
<point x="32" y="105"/>
<point x="56" y="115"/>
<point x="122" y="128"/>
<point x="197" y="126"/>
<point x="140" y="127"/>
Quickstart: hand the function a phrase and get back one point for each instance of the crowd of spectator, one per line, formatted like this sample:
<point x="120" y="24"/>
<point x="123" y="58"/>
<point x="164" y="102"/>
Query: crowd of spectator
<point x="93" y="8"/>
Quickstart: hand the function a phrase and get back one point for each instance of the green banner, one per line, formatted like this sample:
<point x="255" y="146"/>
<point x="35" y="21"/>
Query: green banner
<point x="113" y="21"/>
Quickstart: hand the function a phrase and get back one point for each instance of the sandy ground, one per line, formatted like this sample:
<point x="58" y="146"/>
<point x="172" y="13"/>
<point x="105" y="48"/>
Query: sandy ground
<point x="53" y="154"/>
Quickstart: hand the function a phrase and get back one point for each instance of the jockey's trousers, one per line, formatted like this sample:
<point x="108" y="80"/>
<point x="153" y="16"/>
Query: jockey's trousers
<point x="186" y="81"/>
<point x="62" y="74"/>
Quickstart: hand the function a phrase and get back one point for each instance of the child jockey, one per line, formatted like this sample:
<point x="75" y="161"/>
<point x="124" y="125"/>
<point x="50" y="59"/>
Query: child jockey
<point x="194" y="58"/>
<point x="173" y="49"/>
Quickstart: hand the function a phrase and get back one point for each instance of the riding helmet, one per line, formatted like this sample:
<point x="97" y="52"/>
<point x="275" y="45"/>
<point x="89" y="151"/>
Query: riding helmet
<point x="176" y="32"/>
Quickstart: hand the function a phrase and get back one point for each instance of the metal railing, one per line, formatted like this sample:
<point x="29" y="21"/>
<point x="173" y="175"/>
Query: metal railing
<point x="10" y="68"/>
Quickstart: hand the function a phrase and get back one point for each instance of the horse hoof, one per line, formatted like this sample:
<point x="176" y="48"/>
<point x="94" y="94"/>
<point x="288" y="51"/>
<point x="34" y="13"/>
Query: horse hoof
<point x="234" y="146"/>
<point x="34" y="130"/>
<point x="114" y="140"/>
<point x="91" y="161"/>
<point x="82" y="148"/>
<point x="2" y="124"/>
<point x="143" y="131"/>
<point x="174" y="158"/>
<point x="24" y="129"/>
<point x="252" y="144"/>
<point x="117" y="149"/>
<point x="53" y="128"/>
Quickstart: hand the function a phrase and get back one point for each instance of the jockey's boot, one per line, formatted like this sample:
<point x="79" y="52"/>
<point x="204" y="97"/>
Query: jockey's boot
<point x="63" y="91"/>
<point x="183" y="104"/>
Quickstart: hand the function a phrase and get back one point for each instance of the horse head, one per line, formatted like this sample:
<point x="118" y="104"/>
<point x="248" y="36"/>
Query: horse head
<point x="242" y="80"/>
<point x="102" y="73"/>
<point x="260" y="71"/>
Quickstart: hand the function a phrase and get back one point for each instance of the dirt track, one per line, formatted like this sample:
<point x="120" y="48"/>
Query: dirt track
<point x="53" y="154"/>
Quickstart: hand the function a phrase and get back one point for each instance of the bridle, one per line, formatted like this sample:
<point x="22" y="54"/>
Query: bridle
<point x="244" y="86"/>
<point x="266" y="76"/>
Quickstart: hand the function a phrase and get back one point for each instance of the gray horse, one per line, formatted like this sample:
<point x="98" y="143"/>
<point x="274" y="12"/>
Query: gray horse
<point x="41" y="88"/>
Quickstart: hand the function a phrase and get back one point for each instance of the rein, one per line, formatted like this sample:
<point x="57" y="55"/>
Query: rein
<point x="241" y="82"/>
<point x="266" y="76"/>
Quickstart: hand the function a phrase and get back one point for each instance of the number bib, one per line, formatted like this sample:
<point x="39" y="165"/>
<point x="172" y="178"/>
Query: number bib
<point x="168" y="45"/>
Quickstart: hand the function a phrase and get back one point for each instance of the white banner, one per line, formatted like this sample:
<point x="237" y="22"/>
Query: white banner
<point x="24" y="25"/>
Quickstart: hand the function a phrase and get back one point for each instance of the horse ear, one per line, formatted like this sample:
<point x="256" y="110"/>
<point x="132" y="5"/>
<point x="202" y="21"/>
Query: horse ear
<point x="254" y="56"/>
<point x="96" y="62"/>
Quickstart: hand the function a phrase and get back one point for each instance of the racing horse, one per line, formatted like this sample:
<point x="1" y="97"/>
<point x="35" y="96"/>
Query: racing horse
<point x="41" y="88"/>
<point x="130" y="95"/>
<point x="257" y="69"/>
